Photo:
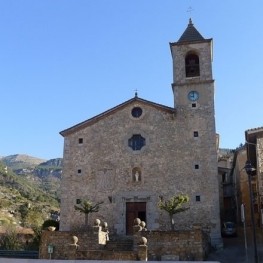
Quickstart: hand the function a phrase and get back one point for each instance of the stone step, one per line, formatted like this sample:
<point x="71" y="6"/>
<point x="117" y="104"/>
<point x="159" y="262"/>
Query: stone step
<point x="119" y="243"/>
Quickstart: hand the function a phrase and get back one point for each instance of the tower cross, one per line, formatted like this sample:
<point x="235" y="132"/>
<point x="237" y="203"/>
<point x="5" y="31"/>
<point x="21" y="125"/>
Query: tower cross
<point x="190" y="10"/>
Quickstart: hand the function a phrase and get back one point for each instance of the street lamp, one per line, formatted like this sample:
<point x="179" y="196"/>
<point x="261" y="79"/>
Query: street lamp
<point x="250" y="170"/>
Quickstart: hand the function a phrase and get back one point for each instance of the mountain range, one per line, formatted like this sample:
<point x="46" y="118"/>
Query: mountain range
<point x="28" y="182"/>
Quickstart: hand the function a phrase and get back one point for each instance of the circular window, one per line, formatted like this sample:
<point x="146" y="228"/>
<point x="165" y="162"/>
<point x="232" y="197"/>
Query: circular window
<point x="136" y="112"/>
<point x="136" y="142"/>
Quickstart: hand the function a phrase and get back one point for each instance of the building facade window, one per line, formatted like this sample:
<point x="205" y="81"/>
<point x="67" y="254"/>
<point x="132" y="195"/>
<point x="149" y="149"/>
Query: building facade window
<point x="80" y="140"/>
<point x="136" y="112"/>
<point x="136" y="142"/>
<point x="198" y="198"/>
<point x="196" y="166"/>
<point x="196" y="134"/>
<point x="79" y="171"/>
<point x="192" y="68"/>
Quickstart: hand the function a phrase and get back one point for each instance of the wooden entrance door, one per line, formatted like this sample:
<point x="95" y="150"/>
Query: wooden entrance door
<point x="134" y="210"/>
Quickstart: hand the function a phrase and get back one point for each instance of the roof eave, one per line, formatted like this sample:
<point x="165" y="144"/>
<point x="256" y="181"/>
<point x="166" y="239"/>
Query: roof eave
<point x="252" y="134"/>
<point x="111" y="111"/>
<point x="190" y="42"/>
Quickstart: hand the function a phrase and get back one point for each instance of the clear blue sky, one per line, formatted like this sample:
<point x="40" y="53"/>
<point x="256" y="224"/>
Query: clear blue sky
<point x="64" y="61"/>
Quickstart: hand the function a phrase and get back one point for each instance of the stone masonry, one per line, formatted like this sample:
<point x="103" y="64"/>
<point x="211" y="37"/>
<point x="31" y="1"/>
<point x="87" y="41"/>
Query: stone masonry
<point x="161" y="245"/>
<point x="177" y="155"/>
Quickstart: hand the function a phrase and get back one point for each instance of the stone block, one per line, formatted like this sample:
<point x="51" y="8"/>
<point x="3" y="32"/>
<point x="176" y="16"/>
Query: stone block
<point x="170" y="258"/>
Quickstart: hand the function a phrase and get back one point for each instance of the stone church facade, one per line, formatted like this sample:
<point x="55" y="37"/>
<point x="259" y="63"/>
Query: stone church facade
<point x="140" y="151"/>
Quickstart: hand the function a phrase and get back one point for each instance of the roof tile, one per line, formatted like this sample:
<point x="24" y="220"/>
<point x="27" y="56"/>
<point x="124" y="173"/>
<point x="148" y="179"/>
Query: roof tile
<point x="190" y="34"/>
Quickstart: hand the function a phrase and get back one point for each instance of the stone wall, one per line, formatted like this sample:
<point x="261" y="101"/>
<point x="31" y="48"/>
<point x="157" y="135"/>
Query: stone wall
<point x="260" y="164"/>
<point x="63" y="243"/>
<point x="176" y="154"/>
<point x="106" y="255"/>
<point x="161" y="245"/>
<point x="100" y="169"/>
<point x="176" y="245"/>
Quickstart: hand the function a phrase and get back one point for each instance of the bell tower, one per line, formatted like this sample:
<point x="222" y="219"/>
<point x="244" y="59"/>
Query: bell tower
<point x="193" y="83"/>
<point x="193" y="89"/>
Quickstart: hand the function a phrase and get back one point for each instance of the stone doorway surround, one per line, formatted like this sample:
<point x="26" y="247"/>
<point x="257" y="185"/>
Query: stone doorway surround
<point x="150" y="212"/>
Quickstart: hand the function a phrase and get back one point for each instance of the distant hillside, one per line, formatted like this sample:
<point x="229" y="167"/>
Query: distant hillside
<point x="21" y="161"/>
<point x="28" y="184"/>
<point x="23" y="164"/>
<point x="23" y="201"/>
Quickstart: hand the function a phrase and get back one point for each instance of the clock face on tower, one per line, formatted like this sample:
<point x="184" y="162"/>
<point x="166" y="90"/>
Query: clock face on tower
<point x="193" y="95"/>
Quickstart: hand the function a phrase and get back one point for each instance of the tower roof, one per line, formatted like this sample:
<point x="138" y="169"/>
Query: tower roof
<point x="190" y="34"/>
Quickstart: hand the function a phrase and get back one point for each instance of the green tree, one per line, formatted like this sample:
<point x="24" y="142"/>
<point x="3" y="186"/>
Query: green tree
<point x="34" y="244"/>
<point x="87" y="207"/>
<point x="174" y="205"/>
<point x="33" y="218"/>
<point x="24" y="210"/>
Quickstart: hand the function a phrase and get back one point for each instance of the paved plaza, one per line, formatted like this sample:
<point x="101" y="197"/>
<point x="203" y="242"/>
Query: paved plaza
<point x="234" y="249"/>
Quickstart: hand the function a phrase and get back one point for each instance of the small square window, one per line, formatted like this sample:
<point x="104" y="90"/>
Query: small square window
<point x="193" y="105"/>
<point x="198" y="198"/>
<point x="196" y="166"/>
<point x="78" y="201"/>
<point x="80" y="140"/>
<point x="79" y="171"/>
<point x="195" y="133"/>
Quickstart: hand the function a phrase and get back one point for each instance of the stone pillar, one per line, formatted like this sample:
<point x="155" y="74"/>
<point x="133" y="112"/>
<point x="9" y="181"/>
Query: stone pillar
<point x="72" y="251"/>
<point x="142" y="250"/>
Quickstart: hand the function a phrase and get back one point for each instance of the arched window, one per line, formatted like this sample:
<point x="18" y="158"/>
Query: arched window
<point x="192" y="68"/>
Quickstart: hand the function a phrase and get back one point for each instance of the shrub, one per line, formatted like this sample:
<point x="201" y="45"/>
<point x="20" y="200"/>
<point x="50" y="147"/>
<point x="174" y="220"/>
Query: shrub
<point x="50" y="222"/>
<point x="10" y="240"/>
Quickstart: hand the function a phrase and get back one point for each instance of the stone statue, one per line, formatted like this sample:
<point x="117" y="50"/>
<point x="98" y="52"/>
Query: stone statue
<point x="136" y="176"/>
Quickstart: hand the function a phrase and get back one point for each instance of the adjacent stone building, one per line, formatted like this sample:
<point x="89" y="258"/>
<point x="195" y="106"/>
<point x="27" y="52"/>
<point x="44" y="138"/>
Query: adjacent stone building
<point x="254" y="148"/>
<point x="139" y="152"/>
<point x="242" y="188"/>
<point x="228" y="186"/>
